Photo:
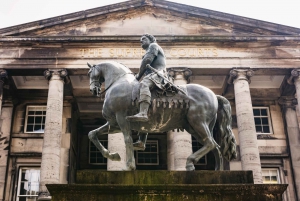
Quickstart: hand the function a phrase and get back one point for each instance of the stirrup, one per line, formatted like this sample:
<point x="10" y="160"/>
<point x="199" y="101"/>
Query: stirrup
<point x="137" y="117"/>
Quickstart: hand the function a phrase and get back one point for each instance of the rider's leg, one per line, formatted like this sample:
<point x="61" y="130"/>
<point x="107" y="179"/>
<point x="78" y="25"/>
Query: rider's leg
<point x="145" y="98"/>
<point x="140" y="144"/>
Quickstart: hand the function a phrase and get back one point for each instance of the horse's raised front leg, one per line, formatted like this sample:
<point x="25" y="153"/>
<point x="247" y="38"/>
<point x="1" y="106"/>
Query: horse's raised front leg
<point x="125" y="128"/>
<point x="140" y="144"/>
<point x="93" y="136"/>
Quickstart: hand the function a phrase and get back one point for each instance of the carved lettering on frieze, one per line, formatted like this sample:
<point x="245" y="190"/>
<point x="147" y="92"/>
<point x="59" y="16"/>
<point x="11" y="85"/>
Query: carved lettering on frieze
<point x="139" y="52"/>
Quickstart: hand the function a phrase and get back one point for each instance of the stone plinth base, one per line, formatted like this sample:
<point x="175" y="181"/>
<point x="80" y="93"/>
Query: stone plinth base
<point x="166" y="186"/>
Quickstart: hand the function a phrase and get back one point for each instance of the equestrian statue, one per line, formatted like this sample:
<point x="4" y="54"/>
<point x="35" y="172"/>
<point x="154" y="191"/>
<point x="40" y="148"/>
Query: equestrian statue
<point x="156" y="105"/>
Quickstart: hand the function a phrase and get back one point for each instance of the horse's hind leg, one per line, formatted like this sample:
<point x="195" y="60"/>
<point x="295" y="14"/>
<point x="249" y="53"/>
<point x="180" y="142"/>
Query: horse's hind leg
<point x="93" y="136"/>
<point x="202" y="135"/>
<point x="218" y="158"/>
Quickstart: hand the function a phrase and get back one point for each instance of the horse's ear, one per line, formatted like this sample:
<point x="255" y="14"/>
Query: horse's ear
<point x="89" y="65"/>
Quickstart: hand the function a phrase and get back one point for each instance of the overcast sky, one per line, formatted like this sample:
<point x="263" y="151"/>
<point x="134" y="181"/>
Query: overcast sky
<point x="285" y="12"/>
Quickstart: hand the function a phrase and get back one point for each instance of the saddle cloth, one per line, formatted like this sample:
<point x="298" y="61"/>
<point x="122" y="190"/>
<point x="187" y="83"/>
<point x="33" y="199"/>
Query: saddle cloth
<point x="163" y="98"/>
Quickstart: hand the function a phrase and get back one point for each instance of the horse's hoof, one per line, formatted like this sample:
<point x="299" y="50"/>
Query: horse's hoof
<point x="115" y="157"/>
<point x="139" y="146"/>
<point x="190" y="167"/>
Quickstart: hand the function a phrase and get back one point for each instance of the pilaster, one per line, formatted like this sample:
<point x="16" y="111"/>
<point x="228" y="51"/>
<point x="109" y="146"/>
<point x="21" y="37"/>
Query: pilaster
<point x="246" y="127"/>
<point x="179" y="142"/>
<point x="6" y="110"/>
<point x="288" y="104"/>
<point x="51" y="154"/>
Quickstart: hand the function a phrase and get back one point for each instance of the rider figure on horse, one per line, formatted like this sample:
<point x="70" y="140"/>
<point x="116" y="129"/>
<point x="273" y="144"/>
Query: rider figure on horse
<point x="156" y="58"/>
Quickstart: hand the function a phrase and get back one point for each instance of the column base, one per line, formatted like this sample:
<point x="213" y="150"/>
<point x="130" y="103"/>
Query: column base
<point x="44" y="196"/>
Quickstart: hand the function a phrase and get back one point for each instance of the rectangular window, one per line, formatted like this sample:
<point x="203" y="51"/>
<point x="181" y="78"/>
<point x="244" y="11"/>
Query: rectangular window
<point x="196" y="146"/>
<point x="95" y="156"/>
<point x="150" y="155"/>
<point x="262" y="120"/>
<point x="270" y="176"/>
<point x="35" y="119"/>
<point x="28" y="184"/>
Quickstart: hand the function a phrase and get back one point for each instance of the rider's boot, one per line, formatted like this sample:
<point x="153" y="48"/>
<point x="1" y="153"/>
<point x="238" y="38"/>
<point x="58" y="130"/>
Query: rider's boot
<point x="142" y="116"/>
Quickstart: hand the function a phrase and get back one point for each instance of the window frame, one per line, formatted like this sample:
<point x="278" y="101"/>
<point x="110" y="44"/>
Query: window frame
<point x="97" y="151"/>
<point x="27" y="115"/>
<point x="157" y="153"/>
<point x="269" y="120"/>
<point x="277" y="175"/>
<point x="20" y="180"/>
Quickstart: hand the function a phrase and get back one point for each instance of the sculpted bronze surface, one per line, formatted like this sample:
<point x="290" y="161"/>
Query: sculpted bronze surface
<point x="155" y="106"/>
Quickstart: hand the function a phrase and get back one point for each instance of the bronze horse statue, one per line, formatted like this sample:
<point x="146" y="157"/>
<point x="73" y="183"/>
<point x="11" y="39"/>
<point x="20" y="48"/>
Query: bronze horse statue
<point x="203" y="114"/>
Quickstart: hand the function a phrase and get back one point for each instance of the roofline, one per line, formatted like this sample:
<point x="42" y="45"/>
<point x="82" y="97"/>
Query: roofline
<point x="135" y="38"/>
<point x="131" y="4"/>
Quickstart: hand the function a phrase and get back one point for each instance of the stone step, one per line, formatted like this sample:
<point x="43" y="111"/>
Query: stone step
<point x="163" y="177"/>
<point x="167" y="192"/>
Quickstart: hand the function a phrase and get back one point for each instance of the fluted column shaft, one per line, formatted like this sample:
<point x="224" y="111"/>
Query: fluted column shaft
<point x="51" y="154"/>
<point x="179" y="142"/>
<point x="246" y="127"/>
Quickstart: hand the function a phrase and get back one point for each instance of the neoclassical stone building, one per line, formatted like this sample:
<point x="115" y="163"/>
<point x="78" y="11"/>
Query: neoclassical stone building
<point x="47" y="109"/>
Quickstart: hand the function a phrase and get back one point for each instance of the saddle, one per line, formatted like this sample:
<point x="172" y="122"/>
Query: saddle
<point x="164" y="98"/>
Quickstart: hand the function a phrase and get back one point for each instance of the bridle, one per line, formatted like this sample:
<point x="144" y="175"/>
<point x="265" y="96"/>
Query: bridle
<point x="98" y="84"/>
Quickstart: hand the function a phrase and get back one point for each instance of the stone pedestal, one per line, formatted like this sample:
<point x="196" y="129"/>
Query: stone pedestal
<point x="166" y="186"/>
<point x="246" y="127"/>
<point x="51" y="154"/>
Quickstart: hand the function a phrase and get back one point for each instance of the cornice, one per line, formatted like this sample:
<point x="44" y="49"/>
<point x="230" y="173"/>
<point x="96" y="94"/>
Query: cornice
<point x="134" y="4"/>
<point x="164" y="38"/>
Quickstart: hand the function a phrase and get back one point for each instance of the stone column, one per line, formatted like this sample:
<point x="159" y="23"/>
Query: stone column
<point x="179" y="142"/>
<point x="5" y="126"/>
<point x="50" y="166"/>
<point x="292" y="128"/>
<point x="246" y="127"/>
<point x="116" y="143"/>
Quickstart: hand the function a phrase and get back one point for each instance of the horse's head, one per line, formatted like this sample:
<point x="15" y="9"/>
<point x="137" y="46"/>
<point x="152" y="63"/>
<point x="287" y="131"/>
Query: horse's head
<point x="95" y="79"/>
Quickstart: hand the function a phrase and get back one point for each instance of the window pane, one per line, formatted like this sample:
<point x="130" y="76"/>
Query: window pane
<point x="266" y="129"/>
<point x="38" y="120"/>
<point x="258" y="129"/>
<point x="256" y="112"/>
<point x="29" y="128"/>
<point x="38" y="113"/>
<point x="37" y="128"/>
<point x="257" y="121"/>
<point x="265" y="120"/>
<point x="264" y="112"/>
<point x="30" y="120"/>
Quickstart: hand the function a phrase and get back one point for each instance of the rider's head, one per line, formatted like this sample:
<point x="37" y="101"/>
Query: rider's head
<point x="146" y="40"/>
<point x="150" y="37"/>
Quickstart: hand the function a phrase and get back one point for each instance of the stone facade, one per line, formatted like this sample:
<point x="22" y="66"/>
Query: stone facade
<point x="44" y="122"/>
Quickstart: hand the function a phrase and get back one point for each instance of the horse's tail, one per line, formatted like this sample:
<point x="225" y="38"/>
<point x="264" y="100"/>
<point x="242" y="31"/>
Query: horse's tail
<point x="223" y="128"/>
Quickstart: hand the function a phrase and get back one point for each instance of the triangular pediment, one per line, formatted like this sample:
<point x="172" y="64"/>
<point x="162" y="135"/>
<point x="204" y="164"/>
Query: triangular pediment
<point x="157" y="17"/>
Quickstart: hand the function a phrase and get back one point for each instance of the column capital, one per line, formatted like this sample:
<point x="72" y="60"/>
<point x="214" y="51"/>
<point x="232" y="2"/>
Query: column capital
<point x="288" y="101"/>
<point x="62" y="73"/>
<point x="3" y="75"/>
<point x="294" y="75"/>
<point x="185" y="72"/>
<point x="240" y="74"/>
